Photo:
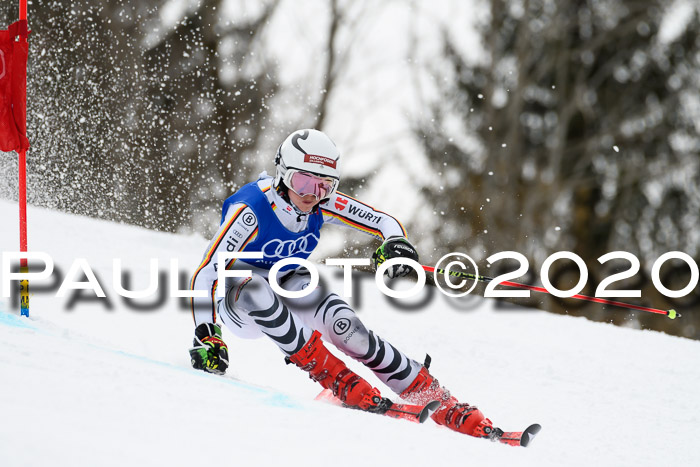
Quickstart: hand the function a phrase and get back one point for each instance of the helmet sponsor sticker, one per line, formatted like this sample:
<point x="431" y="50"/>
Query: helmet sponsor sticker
<point x="316" y="159"/>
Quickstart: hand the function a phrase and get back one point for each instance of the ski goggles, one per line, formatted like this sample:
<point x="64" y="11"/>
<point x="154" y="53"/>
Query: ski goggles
<point x="304" y="183"/>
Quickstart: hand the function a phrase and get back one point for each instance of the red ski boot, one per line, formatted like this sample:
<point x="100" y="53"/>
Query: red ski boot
<point x="462" y="418"/>
<point x="332" y="374"/>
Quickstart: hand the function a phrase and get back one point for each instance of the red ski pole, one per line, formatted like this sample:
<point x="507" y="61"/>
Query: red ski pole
<point x="672" y="314"/>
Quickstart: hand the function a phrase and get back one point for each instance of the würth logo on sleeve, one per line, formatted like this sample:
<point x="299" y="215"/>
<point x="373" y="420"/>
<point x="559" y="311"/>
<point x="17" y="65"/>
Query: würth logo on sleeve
<point x="340" y="203"/>
<point x="314" y="159"/>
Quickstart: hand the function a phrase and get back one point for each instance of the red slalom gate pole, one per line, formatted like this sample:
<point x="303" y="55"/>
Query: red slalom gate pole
<point x="672" y="314"/>
<point x="22" y="162"/>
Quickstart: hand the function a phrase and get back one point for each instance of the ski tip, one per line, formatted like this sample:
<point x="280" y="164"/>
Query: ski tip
<point x="428" y="410"/>
<point x="529" y="434"/>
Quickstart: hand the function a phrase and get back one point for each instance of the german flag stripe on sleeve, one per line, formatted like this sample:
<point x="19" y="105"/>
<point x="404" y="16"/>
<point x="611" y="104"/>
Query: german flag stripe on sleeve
<point x="354" y="224"/>
<point x="405" y="234"/>
<point x="211" y="251"/>
<point x="250" y="238"/>
<point x="213" y="303"/>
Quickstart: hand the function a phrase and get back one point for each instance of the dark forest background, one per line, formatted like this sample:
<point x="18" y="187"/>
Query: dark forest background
<point x="578" y="128"/>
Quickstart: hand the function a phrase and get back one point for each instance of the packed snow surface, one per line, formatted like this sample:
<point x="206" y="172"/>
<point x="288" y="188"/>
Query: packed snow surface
<point x="98" y="385"/>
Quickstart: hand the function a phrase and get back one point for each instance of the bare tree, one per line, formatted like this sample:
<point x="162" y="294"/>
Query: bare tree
<point x="576" y="111"/>
<point x="141" y="122"/>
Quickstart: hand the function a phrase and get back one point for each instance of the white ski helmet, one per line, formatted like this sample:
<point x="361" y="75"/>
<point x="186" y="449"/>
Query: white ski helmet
<point x="308" y="151"/>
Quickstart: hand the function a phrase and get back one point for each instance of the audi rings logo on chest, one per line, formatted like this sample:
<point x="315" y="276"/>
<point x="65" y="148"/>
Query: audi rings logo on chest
<point x="280" y="249"/>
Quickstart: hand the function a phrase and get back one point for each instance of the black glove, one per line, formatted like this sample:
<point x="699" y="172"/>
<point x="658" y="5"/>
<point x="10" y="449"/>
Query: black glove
<point x="209" y="353"/>
<point x="395" y="247"/>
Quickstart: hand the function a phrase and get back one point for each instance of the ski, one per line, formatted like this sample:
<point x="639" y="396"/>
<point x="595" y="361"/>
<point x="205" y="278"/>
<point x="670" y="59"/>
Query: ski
<point x="414" y="413"/>
<point x="388" y="408"/>
<point x="420" y="413"/>
<point x="516" y="438"/>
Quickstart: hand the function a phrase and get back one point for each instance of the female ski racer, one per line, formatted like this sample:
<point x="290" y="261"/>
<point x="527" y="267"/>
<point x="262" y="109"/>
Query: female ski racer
<point x="282" y="217"/>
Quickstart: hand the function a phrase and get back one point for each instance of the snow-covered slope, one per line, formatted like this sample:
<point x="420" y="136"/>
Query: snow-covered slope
<point x="97" y="386"/>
